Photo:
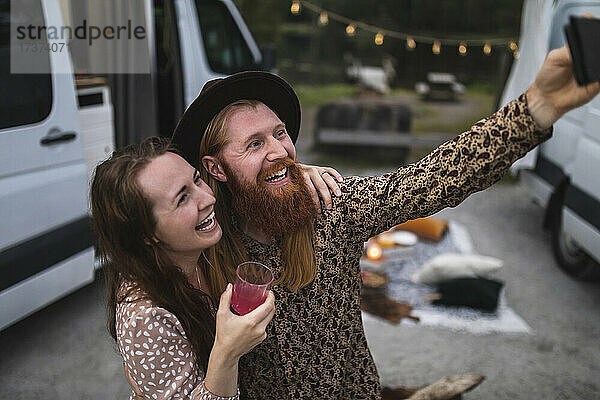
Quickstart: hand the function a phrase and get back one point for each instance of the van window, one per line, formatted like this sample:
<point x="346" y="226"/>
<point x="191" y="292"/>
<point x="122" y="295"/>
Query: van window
<point x="169" y="76"/>
<point x="226" y="50"/>
<point x="26" y="98"/>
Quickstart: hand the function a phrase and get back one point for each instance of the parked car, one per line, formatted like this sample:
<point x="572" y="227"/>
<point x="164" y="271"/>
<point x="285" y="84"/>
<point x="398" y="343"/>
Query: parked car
<point x="440" y="86"/>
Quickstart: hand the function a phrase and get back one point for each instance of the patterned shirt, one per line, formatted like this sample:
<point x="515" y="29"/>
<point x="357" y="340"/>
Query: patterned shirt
<point x="156" y="352"/>
<point x="316" y="346"/>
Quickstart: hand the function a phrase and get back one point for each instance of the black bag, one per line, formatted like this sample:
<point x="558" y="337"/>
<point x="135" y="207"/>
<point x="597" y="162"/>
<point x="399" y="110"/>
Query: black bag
<point x="478" y="293"/>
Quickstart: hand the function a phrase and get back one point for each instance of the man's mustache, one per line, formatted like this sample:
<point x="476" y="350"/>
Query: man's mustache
<point x="285" y="163"/>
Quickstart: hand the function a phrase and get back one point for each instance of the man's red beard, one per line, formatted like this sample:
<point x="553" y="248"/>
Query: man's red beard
<point x="275" y="211"/>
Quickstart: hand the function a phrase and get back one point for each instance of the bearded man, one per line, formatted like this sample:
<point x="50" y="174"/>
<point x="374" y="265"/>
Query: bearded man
<point x="241" y="131"/>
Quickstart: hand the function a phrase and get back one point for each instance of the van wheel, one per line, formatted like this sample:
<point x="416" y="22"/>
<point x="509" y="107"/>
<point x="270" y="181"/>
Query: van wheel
<point x="570" y="257"/>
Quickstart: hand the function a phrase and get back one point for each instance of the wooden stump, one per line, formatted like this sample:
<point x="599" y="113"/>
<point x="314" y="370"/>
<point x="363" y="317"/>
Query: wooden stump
<point x="448" y="388"/>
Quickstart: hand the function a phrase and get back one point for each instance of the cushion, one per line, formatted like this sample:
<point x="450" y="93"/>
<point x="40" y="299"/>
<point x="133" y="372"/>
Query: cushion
<point x="451" y="266"/>
<point x="478" y="293"/>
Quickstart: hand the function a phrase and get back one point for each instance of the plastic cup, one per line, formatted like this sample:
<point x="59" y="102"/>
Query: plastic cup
<point x="251" y="285"/>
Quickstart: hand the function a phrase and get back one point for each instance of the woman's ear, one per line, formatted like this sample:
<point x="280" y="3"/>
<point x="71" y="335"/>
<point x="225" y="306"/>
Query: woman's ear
<point x="212" y="165"/>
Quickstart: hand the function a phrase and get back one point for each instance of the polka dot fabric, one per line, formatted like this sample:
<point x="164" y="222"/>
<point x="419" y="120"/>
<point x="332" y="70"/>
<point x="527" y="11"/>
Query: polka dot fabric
<point x="157" y="354"/>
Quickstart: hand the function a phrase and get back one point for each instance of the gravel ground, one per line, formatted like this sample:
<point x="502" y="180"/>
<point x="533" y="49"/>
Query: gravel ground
<point x="560" y="360"/>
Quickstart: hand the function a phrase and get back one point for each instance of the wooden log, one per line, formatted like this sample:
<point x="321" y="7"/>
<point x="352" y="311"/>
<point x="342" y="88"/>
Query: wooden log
<point x="399" y="393"/>
<point x="448" y="388"/>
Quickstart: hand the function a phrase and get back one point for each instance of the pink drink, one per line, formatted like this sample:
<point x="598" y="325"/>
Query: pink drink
<point x="251" y="287"/>
<point x="246" y="299"/>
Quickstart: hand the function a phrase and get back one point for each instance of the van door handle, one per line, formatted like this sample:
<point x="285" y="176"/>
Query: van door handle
<point x="53" y="137"/>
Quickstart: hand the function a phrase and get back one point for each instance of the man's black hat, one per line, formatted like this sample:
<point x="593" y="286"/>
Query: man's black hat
<point x="265" y="87"/>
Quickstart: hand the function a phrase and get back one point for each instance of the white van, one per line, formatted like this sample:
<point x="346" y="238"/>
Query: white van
<point x="55" y="127"/>
<point x="563" y="174"/>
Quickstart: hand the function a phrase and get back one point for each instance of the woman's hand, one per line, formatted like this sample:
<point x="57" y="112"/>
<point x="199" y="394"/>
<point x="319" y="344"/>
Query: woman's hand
<point x="321" y="181"/>
<point x="555" y="90"/>
<point x="236" y="335"/>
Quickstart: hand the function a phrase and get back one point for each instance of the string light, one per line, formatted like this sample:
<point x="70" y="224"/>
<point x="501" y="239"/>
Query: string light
<point x="411" y="40"/>
<point x="350" y="30"/>
<point x="323" y="18"/>
<point x="295" y="8"/>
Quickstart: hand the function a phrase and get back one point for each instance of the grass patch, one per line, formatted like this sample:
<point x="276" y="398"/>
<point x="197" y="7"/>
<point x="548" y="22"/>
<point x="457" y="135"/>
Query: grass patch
<point x="313" y="96"/>
<point x="443" y="127"/>
<point x="430" y="118"/>
<point x="360" y="163"/>
<point x="487" y="88"/>
<point x="402" y="91"/>
<point x="421" y="111"/>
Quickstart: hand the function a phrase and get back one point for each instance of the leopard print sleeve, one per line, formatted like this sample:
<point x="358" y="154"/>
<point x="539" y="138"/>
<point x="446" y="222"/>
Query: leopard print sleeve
<point x="472" y="161"/>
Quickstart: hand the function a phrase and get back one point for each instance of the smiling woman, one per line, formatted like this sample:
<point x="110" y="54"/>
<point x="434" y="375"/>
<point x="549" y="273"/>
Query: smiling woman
<point x="154" y="216"/>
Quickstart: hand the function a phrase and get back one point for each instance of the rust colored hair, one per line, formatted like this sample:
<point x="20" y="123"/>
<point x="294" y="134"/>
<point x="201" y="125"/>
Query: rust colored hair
<point x="299" y="268"/>
<point x="124" y="224"/>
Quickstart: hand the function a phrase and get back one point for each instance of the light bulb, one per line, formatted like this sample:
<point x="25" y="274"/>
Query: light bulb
<point x="323" y="18"/>
<point x="295" y="8"/>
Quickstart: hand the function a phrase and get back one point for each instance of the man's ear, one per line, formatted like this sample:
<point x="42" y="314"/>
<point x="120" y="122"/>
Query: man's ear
<point x="212" y="165"/>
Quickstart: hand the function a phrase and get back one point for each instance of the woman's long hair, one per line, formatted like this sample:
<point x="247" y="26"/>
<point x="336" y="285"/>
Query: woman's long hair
<point x="125" y="225"/>
<point x="297" y="248"/>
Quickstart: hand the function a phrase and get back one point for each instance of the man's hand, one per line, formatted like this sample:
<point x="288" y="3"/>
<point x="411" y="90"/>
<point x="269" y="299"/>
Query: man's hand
<point x="555" y="90"/>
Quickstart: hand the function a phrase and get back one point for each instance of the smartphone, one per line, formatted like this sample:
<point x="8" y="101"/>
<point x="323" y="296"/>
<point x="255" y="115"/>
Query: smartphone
<point x="583" y="36"/>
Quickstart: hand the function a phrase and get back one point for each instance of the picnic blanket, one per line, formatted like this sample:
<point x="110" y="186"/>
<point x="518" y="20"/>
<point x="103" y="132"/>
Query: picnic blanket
<point x="402" y="289"/>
